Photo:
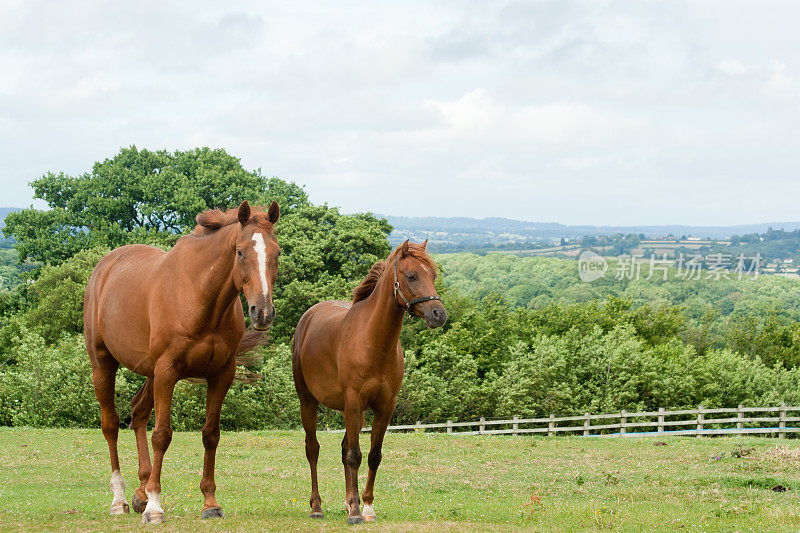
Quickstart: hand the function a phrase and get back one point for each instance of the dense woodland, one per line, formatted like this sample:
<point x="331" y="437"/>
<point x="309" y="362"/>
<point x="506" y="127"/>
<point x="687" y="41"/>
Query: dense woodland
<point x="524" y="337"/>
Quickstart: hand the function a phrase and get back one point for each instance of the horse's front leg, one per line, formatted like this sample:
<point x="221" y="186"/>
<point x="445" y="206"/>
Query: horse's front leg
<point x="379" y="424"/>
<point x="164" y="382"/>
<point x="217" y="389"/>
<point x="141" y="407"/>
<point x="351" y="456"/>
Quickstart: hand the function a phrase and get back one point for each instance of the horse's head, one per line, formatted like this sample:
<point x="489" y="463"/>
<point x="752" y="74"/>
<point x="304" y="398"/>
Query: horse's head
<point x="256" y="265"/>
<point x="414" y="277"/>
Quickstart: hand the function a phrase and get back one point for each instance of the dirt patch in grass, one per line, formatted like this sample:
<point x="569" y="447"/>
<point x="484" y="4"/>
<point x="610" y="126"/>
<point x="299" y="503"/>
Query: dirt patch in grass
<point x="764" y="483"/>
<point x="781" y="452"/>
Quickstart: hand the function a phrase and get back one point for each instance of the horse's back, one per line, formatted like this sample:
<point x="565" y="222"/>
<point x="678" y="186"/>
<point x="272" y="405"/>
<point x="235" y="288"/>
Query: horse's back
<point x="116" y="302"/>
<point x="314" y="350"/>
<point x="321" y="319"/>
<point x="123" y="266"/>
<point x="321" y="315"/>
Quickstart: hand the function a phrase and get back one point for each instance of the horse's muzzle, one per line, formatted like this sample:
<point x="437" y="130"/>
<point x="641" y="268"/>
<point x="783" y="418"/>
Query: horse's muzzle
<point x="262" y="317"/>
<point x="436" y="316"/>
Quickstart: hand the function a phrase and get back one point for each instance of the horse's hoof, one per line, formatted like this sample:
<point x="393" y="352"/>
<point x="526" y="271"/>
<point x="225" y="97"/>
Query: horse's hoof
<point x="369" y="513"/>
<point x="120" y="508"/>
<point x="354" y="520"/>
<point x="317" y="515"/>
<point x="138" y="505"/>
<point x="153" y="517"/>
<point x="212" y="512"/>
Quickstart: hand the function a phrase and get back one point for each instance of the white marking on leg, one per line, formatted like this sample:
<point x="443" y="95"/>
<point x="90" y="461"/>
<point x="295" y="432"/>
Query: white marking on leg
<point x="368" y="512"/>
<point x="119" y="503"/>
<point x="153" y="503"/>
<point x="261" y="253"/>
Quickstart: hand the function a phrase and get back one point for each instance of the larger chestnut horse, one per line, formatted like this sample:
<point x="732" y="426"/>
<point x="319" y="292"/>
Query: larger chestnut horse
<point x="348" y="357"/>
<point x="174" y="315"/>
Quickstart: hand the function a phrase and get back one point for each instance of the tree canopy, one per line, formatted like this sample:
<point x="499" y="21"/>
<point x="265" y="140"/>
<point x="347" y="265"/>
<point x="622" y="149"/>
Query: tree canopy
<point x="138" y="196"/>
<point x="141" y="196"/>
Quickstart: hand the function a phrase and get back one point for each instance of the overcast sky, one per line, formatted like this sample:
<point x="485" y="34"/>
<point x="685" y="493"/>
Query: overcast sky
<point x="575" y="112"/>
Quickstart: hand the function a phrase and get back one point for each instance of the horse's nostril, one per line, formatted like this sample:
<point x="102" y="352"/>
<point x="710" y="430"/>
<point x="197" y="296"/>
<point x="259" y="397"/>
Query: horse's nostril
<point x="253" y="309"/>
<point x="435" y="313"/>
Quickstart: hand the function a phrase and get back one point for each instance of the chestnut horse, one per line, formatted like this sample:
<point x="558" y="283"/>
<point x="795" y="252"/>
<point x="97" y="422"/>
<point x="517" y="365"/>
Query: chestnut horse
<point x="174" y="315"/>
<point x="347" y="356"/>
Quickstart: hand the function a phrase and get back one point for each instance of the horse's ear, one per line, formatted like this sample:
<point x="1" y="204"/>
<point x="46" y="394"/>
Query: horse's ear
<point x="404" y="249"/>
<point x="244" y="213"/>
<point x="425" y="244"/>
<point x="274" y="212"/>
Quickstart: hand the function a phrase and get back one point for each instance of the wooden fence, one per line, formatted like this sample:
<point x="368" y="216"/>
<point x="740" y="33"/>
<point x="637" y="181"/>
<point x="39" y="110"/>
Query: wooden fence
<point x="700" y="421"/>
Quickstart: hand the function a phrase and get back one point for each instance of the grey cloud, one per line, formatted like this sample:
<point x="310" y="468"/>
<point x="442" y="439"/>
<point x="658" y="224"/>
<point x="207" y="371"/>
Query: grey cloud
<point x="581" y="112"/>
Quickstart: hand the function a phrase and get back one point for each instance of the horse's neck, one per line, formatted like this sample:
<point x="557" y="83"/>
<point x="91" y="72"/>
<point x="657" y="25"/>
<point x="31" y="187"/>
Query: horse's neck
<point x="209" y="261"/>
<point x="385" y="315"/>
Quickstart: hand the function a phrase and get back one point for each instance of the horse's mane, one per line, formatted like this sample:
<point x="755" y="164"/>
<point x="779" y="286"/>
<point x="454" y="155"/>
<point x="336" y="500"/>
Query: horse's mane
<point x="376" y="271"/>
<point x="213" y="219"/>
<point x="368" y="285"/>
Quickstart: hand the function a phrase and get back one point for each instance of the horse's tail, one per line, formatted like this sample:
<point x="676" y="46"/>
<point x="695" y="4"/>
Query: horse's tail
<point x="249" y="354"/>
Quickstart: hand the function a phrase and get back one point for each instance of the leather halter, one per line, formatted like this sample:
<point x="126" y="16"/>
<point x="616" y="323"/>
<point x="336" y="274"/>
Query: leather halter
<point x="408" y="303"/>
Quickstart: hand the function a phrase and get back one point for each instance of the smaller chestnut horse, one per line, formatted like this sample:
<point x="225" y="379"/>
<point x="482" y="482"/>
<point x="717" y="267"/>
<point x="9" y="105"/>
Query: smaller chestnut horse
<point x="174" y="315"/>
<point x="348" y="357"/>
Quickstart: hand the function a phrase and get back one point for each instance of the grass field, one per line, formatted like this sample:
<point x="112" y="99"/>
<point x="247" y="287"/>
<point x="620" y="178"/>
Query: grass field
<point x="58" y="480"/>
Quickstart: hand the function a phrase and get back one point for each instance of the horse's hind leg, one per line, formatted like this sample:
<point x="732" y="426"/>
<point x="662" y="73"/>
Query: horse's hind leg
<point x="308" y="413"/>
<point x="141" y="407"/>
<point x="379" y="424"/>
<point x="104" y="373"/>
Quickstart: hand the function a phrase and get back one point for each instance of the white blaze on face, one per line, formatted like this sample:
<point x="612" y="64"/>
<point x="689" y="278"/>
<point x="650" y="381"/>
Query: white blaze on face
<point x="261" y="253"/>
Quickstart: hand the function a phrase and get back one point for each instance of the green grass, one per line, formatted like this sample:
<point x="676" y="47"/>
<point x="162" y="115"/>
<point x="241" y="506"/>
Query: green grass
<point x="58" y="480"/>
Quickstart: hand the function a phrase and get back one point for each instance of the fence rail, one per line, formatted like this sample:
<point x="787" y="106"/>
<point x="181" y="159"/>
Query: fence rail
<point x="657" y="421"/>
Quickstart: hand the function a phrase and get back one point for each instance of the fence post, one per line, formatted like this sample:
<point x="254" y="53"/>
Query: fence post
<point x="622" y="421"/>
<point x="739" y="417"/>
<point x="482" y="426"/>
<point x="418" y="428"/>
<point x="782" y="423"/>
<point x="551" y="426"/>
<point x="449" y="426"/>
<point x="586" y="424"/>
<point x="661" y="419"/>
<point x="515" y="427"/>
<point x="700" y="419"/>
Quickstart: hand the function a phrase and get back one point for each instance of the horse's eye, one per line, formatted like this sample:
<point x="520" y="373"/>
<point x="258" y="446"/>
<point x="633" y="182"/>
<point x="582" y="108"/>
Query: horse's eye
<point x="411" y="277"/>
<point x="279" y="253"/>
<point x="239" y="253"/>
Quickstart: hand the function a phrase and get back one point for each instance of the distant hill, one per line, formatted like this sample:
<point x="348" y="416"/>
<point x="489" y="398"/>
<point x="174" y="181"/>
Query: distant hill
<point x="4" y="211"/>
<point x="466" y="233"/>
